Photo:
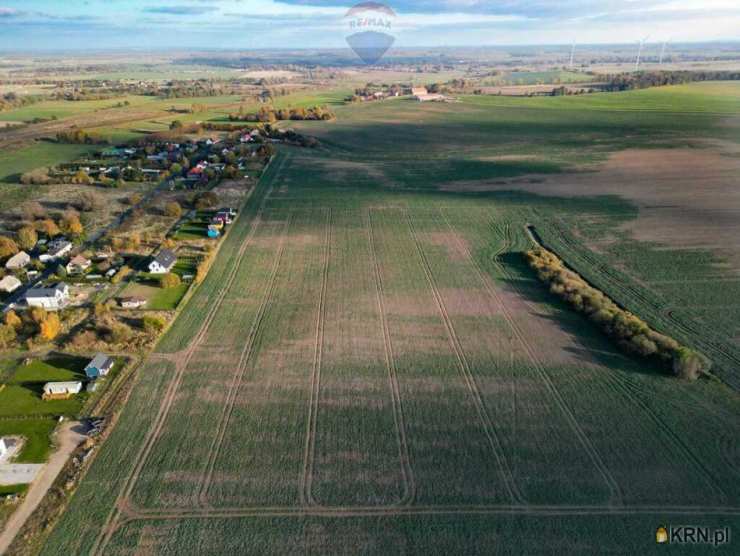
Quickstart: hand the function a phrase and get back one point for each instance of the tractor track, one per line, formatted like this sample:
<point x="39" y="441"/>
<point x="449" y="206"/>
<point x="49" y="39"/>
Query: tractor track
<point x="591" y="451"/>
<point x="485" y="509"/>
<point x="390" y="363"/>
<point x="241" y="368"/>
<point x="306" y="494"/>
<point x="464" y="366"/>
<point x="181" y="361"/>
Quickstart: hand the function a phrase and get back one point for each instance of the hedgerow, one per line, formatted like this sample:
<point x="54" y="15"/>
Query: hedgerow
<point x="630" y="332"/>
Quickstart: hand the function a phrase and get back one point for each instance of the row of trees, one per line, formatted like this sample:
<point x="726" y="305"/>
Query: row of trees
<point x="80" y="137"/>
<point x="630" y="332"/>
<point x="645" y="79"/>
<point x="11" y="101"/>
<point x="37" y="322"/>
<point x="268" y="114"/>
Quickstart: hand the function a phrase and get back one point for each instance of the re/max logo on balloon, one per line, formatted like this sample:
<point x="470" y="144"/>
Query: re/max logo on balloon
<point x="370" y="22"/>
<point x="368" y="30"/>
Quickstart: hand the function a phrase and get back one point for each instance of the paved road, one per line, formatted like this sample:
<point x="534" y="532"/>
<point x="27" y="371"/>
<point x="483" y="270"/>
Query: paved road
<point x="67" y="438"/>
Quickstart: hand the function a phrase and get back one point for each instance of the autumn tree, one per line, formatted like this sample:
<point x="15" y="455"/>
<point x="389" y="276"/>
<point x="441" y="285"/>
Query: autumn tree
<point x="71" y="224"/>
<point x="48" y="227"/>
<point x="8" y="247"/>
<point x="50" y="327"/>
<point x="7" y="336"/>
<point x="27" y="237"/>
<point x="12" y="319"/>
<point x="169" y="280"/>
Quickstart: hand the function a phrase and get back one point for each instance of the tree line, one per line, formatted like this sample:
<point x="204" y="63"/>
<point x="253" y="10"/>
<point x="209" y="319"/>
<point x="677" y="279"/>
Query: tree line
<point x="645" y="79"/>
<point x="267" y="114"/>
<point x="629" y="332"/>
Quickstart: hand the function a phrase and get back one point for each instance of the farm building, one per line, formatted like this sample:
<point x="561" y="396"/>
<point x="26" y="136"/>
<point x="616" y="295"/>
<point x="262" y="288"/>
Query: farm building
<point x="9" y="284"/>
<point x="132" y="302"/>
<point x="57" y="249"/>
<point x="78" y="265"/>
<point x="61" y="390"/>
<point x="163" y="262"/>
<point x="18" y="261"/>
<point x="52" y="298"/>
<point x="100" y="365"/>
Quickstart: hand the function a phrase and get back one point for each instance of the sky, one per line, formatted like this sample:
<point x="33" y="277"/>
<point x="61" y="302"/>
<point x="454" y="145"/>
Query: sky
<point x="27" y="25"/>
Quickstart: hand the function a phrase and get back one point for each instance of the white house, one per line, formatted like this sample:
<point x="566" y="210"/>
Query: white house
<point x="18" y="261"/>
<point x="9" y="284"/>
<point x="163" y="262"/>
<point x="57" y="249"/>
<point x="61" y="389"/>
<point x="78" y="265"/>
<point x="53" y="298"/>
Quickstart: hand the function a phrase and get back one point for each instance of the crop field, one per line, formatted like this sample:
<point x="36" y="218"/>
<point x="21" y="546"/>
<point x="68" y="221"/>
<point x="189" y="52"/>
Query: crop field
<point x="370" y="366"/>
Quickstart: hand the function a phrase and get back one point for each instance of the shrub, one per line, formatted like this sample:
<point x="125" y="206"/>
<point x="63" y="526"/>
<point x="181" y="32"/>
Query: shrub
<point x="169" y="280"/>
<point x="153" y="324"/>
<point x="689" y="365"/>
<point x="173" y="209"/>
<point x="7" y="336"/>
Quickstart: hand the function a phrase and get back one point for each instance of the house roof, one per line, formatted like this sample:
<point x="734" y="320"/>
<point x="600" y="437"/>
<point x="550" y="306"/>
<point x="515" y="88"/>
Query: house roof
<point x="9" y="283"/>
<point x="79" y="260"/>
<point x="46" y="292"/>
<point x="166" y="258"/>
<point x="100" y="361"/>
<point x="20" y="257"/>
<point x="62" y="385"/>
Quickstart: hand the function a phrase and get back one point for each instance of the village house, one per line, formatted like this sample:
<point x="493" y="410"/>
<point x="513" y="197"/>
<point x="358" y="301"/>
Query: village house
<point x="78" y="265"/>
<point x="9" y="284"/>
<point x="100" y="365"/>
<point x="18" y="261"/>
<point x="163" y="262"/>
<point x="132" y="302"/>
<point x="61" y="390"/>
<point x="56" y="249"/>
<point x="53" y="298"/>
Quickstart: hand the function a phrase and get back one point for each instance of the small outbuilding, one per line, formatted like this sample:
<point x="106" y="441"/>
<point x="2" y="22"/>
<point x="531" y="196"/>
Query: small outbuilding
<point x="132" y="302"/>
<point x="61" y="390"/>
<point x="163" y="262"/>
<point x="100" y="365"/>
<point x="18" y="261"/>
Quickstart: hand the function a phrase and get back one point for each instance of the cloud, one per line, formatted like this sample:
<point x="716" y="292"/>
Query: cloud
<point x="178" y="10"/>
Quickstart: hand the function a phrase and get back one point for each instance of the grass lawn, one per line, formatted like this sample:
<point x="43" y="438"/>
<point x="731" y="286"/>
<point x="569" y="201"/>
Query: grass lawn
<point x="158" y="299"/>
<point x="38" y="155"/>
<point x="37" y="433"/>
<point x="22" y="393"/>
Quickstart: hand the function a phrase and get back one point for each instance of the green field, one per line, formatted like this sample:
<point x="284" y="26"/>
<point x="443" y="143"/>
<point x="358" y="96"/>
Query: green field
<point x="371" y="367"/>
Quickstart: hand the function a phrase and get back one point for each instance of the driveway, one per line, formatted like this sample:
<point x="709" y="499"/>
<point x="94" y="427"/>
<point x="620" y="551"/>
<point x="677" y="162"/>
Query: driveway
<point x="67" y="438"/>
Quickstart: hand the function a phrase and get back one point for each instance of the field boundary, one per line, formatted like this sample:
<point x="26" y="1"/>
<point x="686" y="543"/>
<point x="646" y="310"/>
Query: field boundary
<point x="123" y="499"/>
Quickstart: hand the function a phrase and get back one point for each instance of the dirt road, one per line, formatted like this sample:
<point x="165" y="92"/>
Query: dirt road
<point x="67" y="438"/>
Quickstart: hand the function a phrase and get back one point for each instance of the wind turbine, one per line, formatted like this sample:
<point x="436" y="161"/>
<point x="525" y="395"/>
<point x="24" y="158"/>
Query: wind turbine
<point x="572" y="55"/>
<point x="639" y="52"/>
<point x="662" y="51"/>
